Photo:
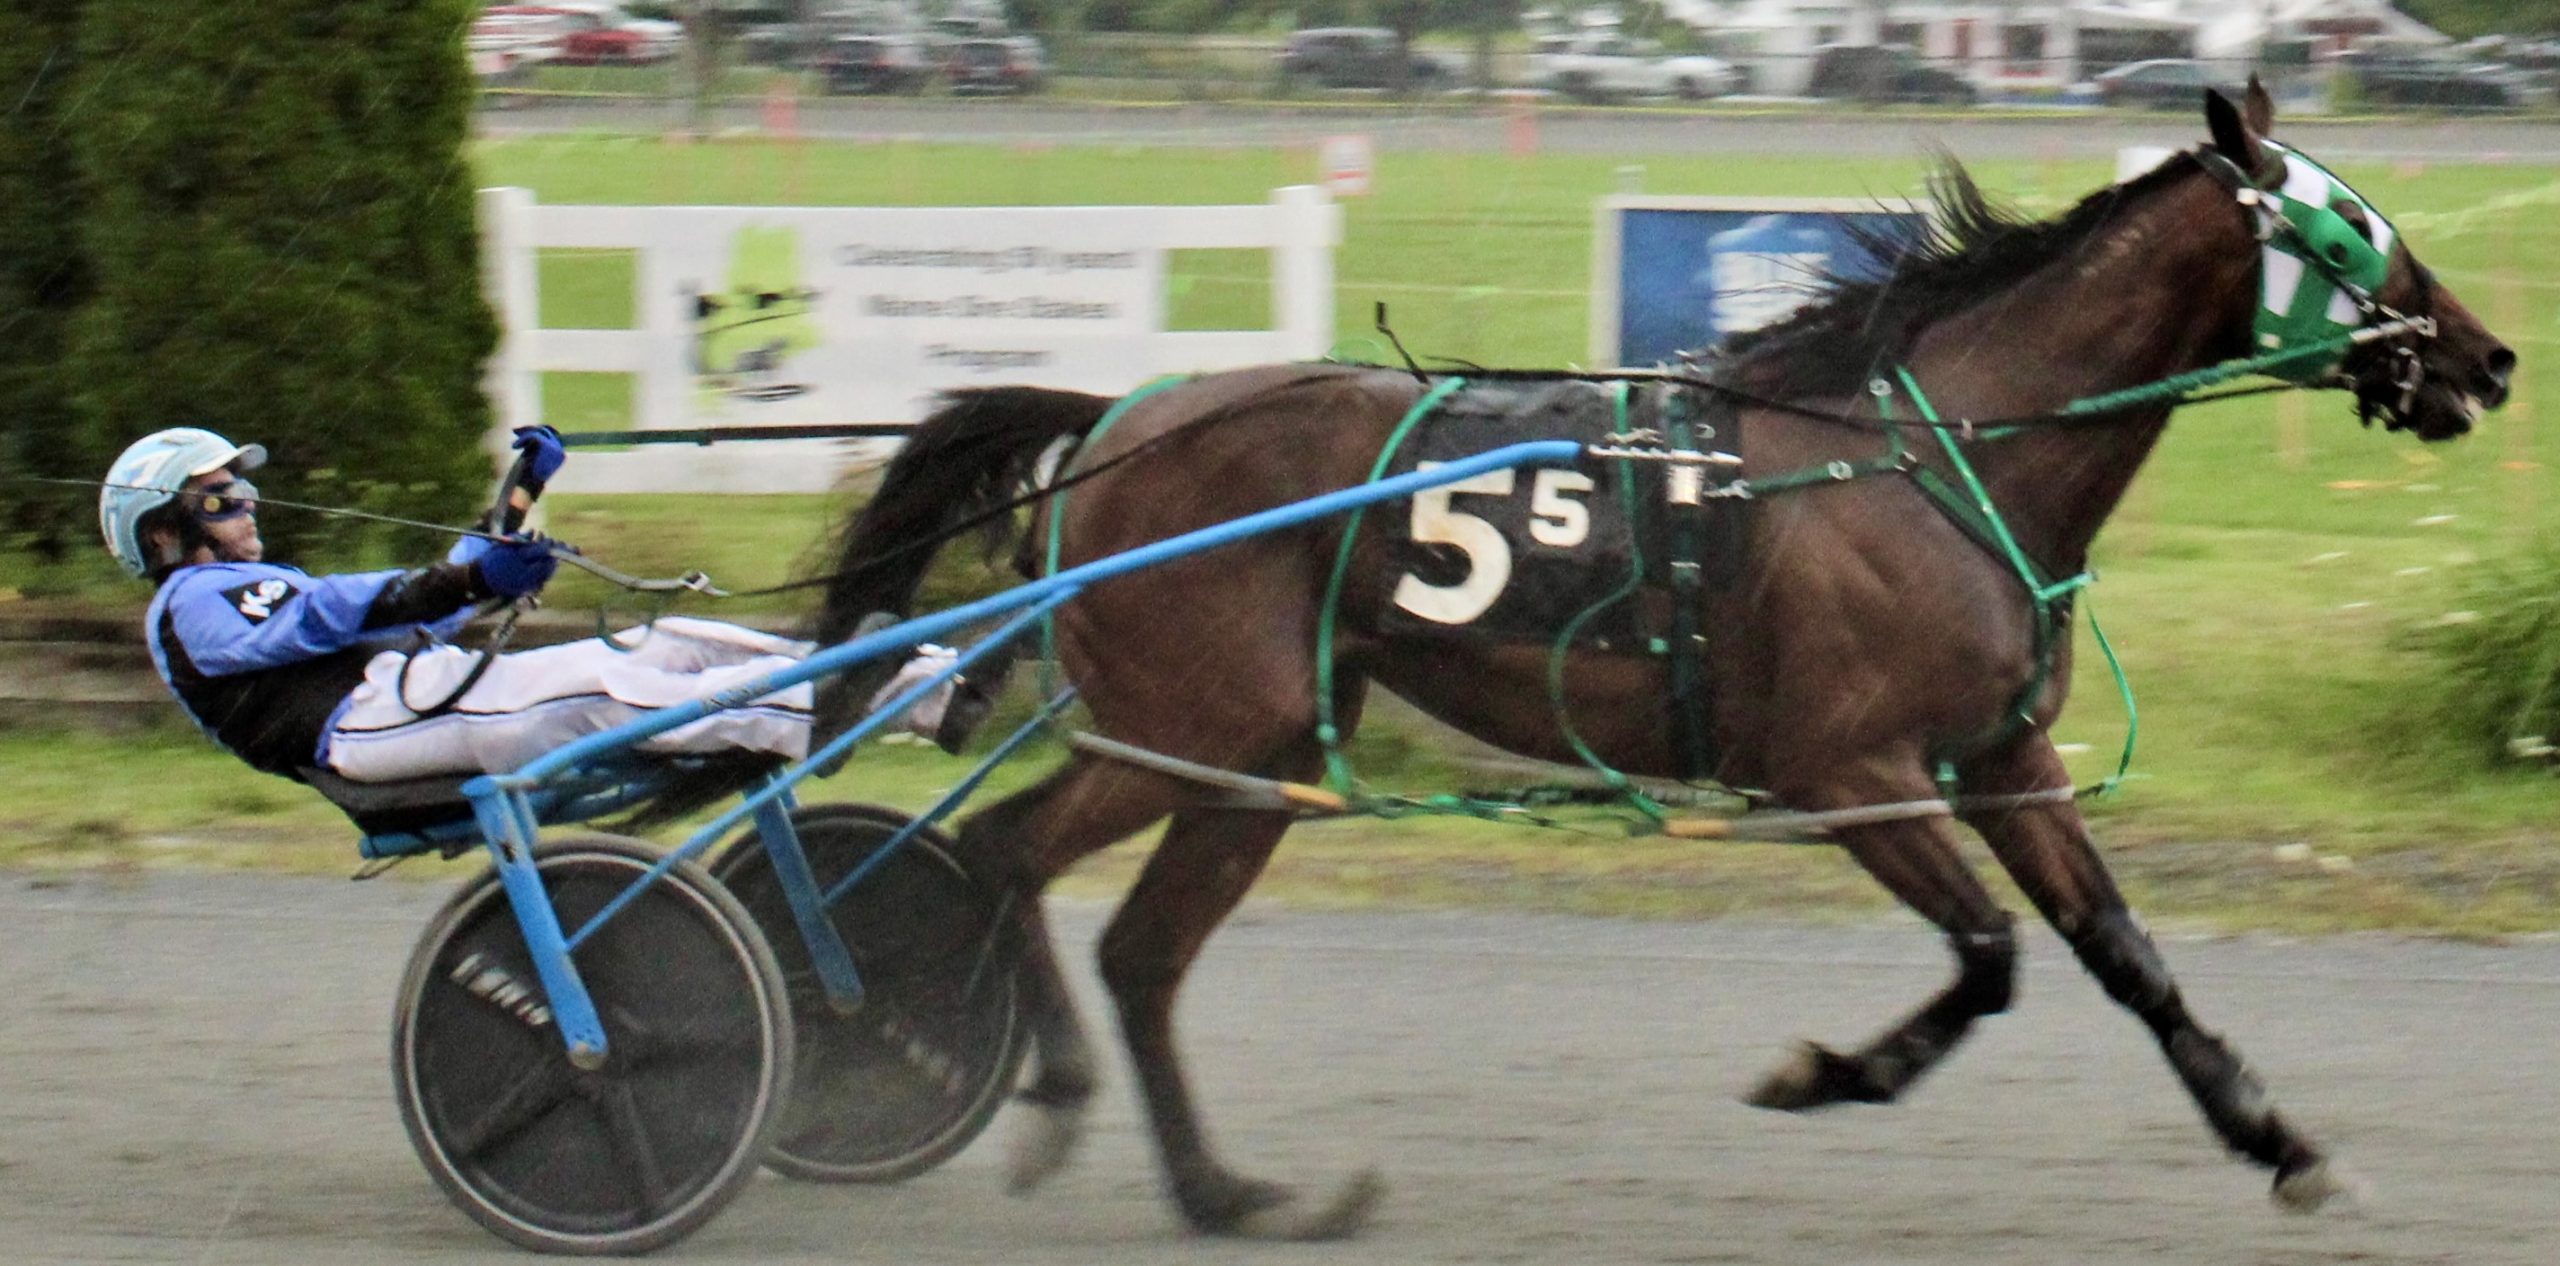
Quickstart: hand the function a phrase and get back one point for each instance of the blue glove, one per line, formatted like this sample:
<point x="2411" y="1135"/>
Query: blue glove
<point x="516" y="566"/>
<point x="543" y="455"/>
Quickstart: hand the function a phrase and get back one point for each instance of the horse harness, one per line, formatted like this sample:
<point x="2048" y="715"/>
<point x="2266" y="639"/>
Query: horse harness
<point x="1692" y="520"/>
<point x="2320" y="271"/>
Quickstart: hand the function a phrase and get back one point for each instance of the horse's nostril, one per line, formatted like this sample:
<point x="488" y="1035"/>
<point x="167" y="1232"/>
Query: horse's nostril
<point x="2490" y="384"/>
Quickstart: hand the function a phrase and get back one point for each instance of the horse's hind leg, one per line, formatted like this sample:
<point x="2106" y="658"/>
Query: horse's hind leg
<point x="1208" y="859"/>
<point x="1918" y="862"/>
<point x="1016" y="846"/>
<point x="2046" y="848"/>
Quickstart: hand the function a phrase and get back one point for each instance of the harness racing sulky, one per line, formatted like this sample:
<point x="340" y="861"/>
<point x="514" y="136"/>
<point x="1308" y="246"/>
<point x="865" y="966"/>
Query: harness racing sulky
<point x="1831" y="568"/>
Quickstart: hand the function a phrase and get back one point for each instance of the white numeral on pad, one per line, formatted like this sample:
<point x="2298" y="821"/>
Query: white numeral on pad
<point x="1556" y="519"/>
<point x="1488" y="555"/>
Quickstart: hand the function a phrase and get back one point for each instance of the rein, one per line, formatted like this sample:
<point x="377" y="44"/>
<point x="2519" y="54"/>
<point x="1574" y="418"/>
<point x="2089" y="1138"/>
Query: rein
<point x="689" y="582"/>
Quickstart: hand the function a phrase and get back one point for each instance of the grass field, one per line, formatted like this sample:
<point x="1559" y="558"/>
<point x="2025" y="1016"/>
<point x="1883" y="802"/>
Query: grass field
<point x="2258" y="582"/>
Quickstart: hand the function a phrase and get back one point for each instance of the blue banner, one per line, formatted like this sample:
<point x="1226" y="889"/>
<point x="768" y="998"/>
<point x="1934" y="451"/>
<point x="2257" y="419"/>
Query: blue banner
<point x="1688" y="276"/>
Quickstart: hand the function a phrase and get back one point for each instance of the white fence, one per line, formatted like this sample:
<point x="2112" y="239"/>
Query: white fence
<point x="812" y="315"/>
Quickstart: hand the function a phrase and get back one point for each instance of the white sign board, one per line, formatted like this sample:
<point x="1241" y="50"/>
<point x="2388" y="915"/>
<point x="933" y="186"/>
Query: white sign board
<point x="755" y="316"/>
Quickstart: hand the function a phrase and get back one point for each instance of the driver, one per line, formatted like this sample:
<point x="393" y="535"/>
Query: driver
<point x="352" y="673"/>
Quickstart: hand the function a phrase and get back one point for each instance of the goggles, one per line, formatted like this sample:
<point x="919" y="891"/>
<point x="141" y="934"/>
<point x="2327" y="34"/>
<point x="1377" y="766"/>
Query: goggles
<point x="222" y="502"/>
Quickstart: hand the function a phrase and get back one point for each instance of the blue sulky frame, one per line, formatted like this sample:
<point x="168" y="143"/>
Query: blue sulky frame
<point x="597" y="775"/>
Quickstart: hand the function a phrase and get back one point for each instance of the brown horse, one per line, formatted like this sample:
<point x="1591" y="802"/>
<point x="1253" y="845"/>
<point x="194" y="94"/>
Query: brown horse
<point x="1863" y="637"/>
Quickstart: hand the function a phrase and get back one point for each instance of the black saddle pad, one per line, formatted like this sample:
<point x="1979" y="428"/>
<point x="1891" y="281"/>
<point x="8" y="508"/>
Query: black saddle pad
<point x="1519" y="555"/>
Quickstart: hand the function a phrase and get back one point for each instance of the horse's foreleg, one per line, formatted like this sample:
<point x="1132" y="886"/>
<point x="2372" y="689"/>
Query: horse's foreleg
<point x="2046" y="848"/>
<point x="1208" y="859"/>
<point x="1918" y="862"/>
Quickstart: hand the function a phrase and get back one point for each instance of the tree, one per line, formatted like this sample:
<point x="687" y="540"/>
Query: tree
<point x="281" y="231"/>
<point x="1485" y="20"/>
<point x="43" y="277"/>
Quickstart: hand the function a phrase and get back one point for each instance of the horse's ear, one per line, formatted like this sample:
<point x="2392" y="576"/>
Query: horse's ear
<point x="2257" y="109"/>
<point x="2231" y="134"/>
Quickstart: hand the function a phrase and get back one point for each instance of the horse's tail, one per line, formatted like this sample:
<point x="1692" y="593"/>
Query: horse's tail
<point x="969" y="457"/>
<point x="962" y="463"/>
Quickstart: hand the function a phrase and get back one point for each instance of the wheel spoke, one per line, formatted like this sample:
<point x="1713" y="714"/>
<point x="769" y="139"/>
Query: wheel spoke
<point x="630" y="1137"/>
<point x="911" y="1076"/>
<point x="532" y="1097"/>
<point x="985" y="963"/>
<point x="638" y="1044"/>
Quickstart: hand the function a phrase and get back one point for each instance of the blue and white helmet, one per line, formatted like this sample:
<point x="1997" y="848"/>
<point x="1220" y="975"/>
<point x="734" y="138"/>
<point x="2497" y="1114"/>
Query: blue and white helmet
<point x="149" y="474"/>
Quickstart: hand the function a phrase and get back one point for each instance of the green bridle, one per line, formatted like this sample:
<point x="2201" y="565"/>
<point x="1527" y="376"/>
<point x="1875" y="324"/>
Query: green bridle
<point x="2318" y="269"/>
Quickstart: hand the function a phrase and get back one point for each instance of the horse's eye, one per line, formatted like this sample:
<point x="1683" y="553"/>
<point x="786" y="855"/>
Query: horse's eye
<point x="2352" y="212"/>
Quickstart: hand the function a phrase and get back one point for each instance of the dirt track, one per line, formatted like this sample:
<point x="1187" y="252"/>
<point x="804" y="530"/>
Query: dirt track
<point x="194" y="1071"/>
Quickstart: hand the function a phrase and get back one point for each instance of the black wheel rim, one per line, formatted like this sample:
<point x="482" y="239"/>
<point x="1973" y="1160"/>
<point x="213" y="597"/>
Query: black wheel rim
<point x="636" y="1144"/>
<point x="909" y="1077"/>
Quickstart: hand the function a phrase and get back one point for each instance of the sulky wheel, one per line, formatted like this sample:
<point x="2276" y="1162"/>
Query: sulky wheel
<point x="908" y="1079"/>
<point x="636" y="1154"/>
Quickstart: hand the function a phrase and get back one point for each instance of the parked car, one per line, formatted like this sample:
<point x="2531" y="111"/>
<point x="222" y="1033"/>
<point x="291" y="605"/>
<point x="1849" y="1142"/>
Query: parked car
<point x="2170" y="82"/>
<point x="596" y="34"/>
<point x="869" y="64"/>
<point x="505" y="46"/>
<point x="1008" y="65"/>
<point x="2389" y="79"/>
<point x="952" y="28"/>
<point x="1885" y="72"/>
<point x="798" y="43"/>
<point x="1603" y="66"/>
<point x="1359" y="57"/>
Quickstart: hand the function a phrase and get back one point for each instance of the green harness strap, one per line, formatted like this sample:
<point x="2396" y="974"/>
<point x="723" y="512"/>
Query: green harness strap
<point x="1337" y="769"/>
<point x="2178" y="385"/>
<point x="1058" y="520"/>
<point x="1339" y="776"/>
<point x="1556" y="654"/>
<point x="1973" y="511"/>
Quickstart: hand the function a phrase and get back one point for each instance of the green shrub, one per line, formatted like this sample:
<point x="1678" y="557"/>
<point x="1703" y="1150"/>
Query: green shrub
<point x="43" y="278"/>
<point x="2498" y="685"/>
<point x="280" y="228"/>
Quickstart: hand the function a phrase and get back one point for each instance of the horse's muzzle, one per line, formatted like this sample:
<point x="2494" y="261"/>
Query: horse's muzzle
<point x="2489" y="380"/>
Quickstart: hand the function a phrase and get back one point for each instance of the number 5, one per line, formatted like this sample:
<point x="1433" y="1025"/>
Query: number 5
<point x="1488" y="555"/>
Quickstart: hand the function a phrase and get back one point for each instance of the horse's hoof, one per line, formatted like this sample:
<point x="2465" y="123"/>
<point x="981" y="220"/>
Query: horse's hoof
<point x="2306" y="1189"/>
<point x="1812" y="1076"/>
<point x="1340" y="1218"/>
<point x="1043" y="1143"/>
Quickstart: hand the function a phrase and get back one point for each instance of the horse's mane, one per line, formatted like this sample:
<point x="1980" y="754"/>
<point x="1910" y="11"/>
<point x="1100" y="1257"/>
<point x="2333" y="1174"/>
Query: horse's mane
<point x="1973" y="250"/>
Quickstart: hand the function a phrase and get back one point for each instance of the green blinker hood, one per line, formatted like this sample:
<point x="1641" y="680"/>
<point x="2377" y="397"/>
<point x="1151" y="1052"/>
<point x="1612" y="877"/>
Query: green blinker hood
<point x="2301" y="300"/>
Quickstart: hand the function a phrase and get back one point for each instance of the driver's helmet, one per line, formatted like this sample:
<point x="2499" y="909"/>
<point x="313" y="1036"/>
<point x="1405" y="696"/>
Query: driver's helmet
<point x="148" y="475"/>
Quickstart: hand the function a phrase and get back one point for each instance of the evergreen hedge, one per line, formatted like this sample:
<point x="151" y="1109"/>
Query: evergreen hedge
<point x="279" y="227"/>
<point x="42" y="279"/>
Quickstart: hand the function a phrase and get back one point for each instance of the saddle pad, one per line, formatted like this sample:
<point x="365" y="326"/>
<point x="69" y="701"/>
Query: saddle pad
<point x="1516" y="555"/>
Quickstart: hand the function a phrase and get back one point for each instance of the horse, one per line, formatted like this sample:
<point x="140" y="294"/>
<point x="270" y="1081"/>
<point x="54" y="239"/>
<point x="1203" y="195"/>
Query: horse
<point x="1864" y="646"/>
